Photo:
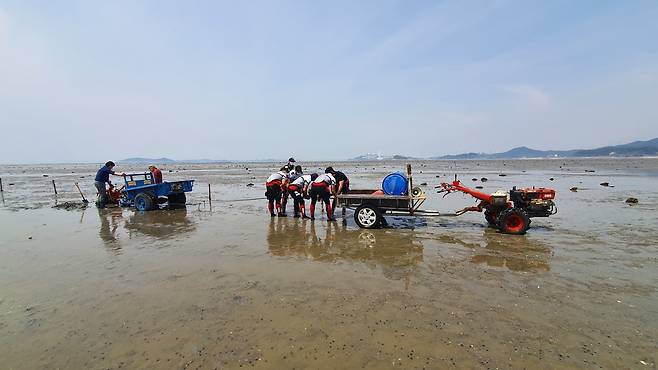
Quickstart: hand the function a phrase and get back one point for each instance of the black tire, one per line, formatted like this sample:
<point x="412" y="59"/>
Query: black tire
<point x="145" y="202"/>
<point x="513" y="221"/>
<point x="177" y="199"/>
<point x="368" y="217"/>
<point x="383" y="222"/>
<point x="491" y="218"/>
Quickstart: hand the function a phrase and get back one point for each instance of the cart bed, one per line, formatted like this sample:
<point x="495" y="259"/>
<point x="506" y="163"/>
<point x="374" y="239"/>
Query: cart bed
<point x="359" y="197"/>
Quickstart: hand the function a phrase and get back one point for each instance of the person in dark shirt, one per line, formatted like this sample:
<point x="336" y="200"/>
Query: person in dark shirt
<point x="291" y="164"/>
<point x="342" y="185"/>
<point x="103" y="177"/>
<point x="156" y="173"/>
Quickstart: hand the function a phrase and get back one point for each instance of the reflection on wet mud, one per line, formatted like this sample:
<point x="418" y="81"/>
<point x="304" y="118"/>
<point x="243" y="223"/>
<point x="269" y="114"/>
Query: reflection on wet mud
<point x="516" y="253"/>
<point x="397" y="253"/>
<point x="109" y="227"/>
<point x="162" y="224"/>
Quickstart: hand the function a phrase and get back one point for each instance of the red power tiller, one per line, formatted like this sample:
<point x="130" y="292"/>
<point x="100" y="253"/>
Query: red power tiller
<point x="509" y="212"/>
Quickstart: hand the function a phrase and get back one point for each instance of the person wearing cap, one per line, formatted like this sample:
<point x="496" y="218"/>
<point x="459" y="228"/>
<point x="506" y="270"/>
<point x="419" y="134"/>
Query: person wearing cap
<point x="156" y="173"/>
<point x="273" y="193"/>
<point x="103" y="177"/>
<point x="291" y="164"/>
<point x="322" y="188"/>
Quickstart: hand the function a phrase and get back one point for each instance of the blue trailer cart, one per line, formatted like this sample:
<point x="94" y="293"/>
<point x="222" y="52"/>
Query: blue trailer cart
<point x="142" y="192"/>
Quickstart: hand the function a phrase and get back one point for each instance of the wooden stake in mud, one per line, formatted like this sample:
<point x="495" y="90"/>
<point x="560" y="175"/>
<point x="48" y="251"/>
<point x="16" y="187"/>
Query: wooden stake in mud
<point x="1" y="189"/>
<point x="209" y="197"/>
<point x="55" y="187"/>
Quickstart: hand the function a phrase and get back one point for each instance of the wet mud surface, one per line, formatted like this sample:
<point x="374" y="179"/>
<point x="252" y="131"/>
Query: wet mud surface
<point x="230" y="287"/>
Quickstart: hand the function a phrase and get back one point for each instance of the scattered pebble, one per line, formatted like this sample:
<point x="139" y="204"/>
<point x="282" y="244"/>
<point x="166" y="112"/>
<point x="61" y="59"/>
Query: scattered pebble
<point x="551" y="179"/>
<point x="29" y="237"/>
<point x="632" y="200"/>
<point x="605" y="184"/>
<point x="423" y="184"/>
<point x="574" y="189"/>
<point x="479" y="187"/>
<point x="44" y="175"/>
<point x="484" y="179"/>
<point x="474" y="179"/>
<point x="250" y="184"/>
<point x="502" y="175"/>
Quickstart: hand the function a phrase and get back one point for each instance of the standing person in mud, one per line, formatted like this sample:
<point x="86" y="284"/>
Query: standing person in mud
<point x="292" y="176"/>
<point x="291" y="164"/>
<point x="273" y="193"/>
<point x="298" y="189"/>
<point x="103" y="177"/>
<point x="342" y="185"/>
<point x="322" y="188"/>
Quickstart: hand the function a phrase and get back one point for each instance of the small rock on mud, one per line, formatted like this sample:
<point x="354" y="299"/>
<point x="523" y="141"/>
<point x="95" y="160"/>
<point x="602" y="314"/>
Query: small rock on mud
<point x="632" y="200"/>
<point x="574" y="189"/>
<point x="605" y="184"/>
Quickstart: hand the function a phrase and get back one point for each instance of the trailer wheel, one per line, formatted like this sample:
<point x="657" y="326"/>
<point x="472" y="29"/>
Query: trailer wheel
<point x="513" y="221"/>
<point x="144" y="202"/>
<point x="177" y="199"/>
<point x="367" y="217"/>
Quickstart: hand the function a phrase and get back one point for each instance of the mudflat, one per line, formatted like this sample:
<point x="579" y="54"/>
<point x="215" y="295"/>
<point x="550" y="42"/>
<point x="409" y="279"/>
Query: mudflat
<point x="229" y="287"/>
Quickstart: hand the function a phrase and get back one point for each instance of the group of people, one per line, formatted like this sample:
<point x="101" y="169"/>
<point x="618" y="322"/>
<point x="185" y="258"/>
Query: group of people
<point x="103" y="178"/>
<point x="290" y="181"/>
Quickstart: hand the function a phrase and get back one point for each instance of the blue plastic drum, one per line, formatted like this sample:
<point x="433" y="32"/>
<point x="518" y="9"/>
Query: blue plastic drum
<point x="395" y="184"/>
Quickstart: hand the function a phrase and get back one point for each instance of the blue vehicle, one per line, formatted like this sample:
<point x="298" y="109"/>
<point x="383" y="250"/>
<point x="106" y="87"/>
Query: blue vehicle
<point x="142" y="192"/>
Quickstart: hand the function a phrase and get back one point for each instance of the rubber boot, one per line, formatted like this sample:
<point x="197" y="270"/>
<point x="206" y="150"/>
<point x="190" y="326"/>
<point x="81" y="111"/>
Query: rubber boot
<point x="302" y="208"/>
<point x="284" y="203"/>
<point x="270" y="207"/>
<point x="330" y="214"/>
<point x="312" y="209"/>
<point x="278" y="210"/>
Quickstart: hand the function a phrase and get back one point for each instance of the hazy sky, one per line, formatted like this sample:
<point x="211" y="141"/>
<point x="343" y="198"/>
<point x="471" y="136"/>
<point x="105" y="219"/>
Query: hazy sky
<point x="97" y="80"/>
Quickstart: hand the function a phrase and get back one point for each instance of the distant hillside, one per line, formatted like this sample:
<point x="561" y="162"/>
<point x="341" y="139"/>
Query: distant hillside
<point x="634" y="149"/>
<point x="374" y="157"/>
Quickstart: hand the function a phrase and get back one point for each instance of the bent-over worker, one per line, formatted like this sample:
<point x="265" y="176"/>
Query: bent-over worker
<point x="103" y="177"/>
<point x="342" y="185"/>
<point x="322" y="188"/>
<point x="273" y="192"/>
<point x="298" y="189"/>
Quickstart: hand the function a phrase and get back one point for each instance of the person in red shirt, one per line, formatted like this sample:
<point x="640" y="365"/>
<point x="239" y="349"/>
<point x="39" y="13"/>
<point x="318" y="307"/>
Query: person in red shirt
<point x="156" y="173"/>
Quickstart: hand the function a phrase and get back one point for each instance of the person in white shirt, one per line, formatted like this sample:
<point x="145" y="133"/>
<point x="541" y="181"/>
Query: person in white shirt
<point x="298" y="189"/>
<point x="273" y="193"/>
<point x="322" y="188"/>
<point x="292" y="176"/>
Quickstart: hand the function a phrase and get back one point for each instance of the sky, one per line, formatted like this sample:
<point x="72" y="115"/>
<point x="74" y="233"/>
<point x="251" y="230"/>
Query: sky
<point x="91" y="81"/>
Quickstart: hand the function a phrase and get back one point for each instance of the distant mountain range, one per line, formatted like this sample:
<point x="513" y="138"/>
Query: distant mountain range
<point x="634" y="149"/>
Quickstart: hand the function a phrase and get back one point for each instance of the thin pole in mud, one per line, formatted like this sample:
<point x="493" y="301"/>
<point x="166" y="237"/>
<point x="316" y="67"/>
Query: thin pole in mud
<point x="1" y="189"/>
<point x="209" y="197"/>
<point x="54" y="187"/>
